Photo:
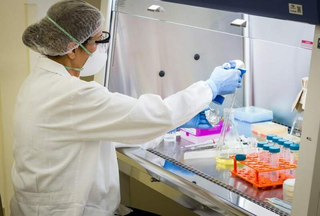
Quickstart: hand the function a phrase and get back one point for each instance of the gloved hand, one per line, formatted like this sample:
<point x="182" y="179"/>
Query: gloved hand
<point x="224" y="81"/>
<point x="199" y="121"/>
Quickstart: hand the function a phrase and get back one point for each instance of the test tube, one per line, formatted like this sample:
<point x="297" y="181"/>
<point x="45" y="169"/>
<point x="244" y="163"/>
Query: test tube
<point x="294" y="157"/>
<point x="266" y="158"/>
<point x="239" y="157"/>
<point x="275" y="140"/>
<point x="280" y="143"/>
<point x="294" y="153"/>
<point x="266" y="155"/>
<point x="252" y="147"/>
<point x="269" y="137"/>
<point x="274" y="162"/>
<point x="286" y="155"/>
<point x="260" y="150"/>
<point x="286" y="151"/>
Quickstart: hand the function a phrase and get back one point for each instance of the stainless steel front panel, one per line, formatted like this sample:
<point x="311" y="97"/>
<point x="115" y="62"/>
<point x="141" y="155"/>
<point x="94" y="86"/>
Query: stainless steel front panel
<point x="144" y="46"/>
<point x="280" y="59"/>
<point x="146" y="43"/>
<point x="197" y="17"/>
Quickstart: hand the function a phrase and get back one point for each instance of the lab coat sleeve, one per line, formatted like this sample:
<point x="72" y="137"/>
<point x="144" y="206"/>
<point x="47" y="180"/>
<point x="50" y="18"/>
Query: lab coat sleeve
<point x="98" y="114"/>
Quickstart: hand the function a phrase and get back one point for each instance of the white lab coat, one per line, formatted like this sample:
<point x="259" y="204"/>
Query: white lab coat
<point x="65" y="161"/>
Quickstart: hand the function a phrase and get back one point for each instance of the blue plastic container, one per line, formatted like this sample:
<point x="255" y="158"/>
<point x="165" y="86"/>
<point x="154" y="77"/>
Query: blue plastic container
<point x="246" y="116"/>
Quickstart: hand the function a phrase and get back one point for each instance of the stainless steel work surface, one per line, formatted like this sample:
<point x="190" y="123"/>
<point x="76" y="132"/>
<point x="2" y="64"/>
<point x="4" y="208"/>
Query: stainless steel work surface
<point x="221" y="172"/>
<point x="204" y="180"/>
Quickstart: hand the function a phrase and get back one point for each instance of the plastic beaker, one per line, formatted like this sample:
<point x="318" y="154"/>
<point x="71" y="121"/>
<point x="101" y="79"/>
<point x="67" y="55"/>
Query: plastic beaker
<point x="229" y="143"/>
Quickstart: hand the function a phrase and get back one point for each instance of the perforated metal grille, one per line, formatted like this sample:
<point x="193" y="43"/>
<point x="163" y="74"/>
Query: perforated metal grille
<point x="216" y="181"/>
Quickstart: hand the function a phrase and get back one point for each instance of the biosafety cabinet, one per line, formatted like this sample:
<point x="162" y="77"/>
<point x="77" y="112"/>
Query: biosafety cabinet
<point x="162" y="47"/>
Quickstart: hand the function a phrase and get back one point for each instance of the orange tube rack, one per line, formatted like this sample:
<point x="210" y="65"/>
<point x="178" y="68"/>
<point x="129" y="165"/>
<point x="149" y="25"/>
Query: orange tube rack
<point x="253" y="173"/>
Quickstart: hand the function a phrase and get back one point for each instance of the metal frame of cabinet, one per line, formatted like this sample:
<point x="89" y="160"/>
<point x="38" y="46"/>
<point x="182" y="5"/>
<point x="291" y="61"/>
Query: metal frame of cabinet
<point x="307" y="189"/>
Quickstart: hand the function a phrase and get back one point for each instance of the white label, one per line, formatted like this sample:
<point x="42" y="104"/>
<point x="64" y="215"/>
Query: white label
<point x="306" y="44"/>
<point x="295" y="9"/>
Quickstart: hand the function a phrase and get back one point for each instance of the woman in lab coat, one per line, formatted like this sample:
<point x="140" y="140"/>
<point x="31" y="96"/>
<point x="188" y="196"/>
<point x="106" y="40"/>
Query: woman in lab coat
<point x="65" y="162"/>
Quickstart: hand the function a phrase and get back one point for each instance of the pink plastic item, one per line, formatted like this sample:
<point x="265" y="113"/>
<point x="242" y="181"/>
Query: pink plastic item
<point x="204" y="132"/>
<point x="196" y="135"/>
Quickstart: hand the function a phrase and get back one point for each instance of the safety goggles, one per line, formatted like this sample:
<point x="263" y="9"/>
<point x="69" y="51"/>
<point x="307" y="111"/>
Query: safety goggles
<point x="105" y="38"/>
<point x="103" y="42"/>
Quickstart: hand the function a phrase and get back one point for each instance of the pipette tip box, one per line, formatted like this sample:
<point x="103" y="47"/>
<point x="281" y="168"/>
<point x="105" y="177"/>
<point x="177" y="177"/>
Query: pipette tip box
<point x="246" y="116"/>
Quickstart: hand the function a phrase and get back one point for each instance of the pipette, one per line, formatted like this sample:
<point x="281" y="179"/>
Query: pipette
<point x="234" y="64"/>
<point x="219" y="99"/>
<point x="205" y="144"/>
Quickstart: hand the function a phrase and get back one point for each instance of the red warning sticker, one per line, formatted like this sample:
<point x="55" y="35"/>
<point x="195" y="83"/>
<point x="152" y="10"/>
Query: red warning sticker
<point x="306" y="44"/>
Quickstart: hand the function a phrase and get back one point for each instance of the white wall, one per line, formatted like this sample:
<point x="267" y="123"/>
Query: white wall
<point x="14" y="68"/>
<point x="2" y="162"/>
<point x="16" y="61"/>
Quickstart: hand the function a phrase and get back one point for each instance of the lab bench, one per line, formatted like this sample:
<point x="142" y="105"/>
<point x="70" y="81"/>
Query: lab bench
<point x="200" y="185"/>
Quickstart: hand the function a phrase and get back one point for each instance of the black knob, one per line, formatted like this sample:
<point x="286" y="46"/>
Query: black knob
<point x="162" y="73"/>
<point x="196" y="57"/>
<point x="194" y="182"/>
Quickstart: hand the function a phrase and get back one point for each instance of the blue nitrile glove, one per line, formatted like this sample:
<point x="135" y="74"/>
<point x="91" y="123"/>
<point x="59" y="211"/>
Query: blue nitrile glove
<point x="199" y="121"/>
<point x="224" y="81"/>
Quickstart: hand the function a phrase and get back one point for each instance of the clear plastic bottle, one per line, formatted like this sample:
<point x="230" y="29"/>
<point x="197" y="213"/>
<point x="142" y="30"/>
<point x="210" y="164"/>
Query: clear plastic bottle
<point x="266" y="158"/>
<point x="286" y="151"/>
<point x="252" y="149"/>
<point x="294" y="157"/>
<point x="286" y="155"/>
<point x="240" y="157"/>
<point x="260" y="150"/>
<point x="269" y="138"/>
<point x="275" y="140"/>
<point x="266" y="154"/>
<point x="297" y="125"/>
<point x="280" y="143"/>
<point x="274" y="163"/>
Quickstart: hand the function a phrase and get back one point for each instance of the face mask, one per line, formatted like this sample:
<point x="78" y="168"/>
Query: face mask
<point x="95" y="62"/>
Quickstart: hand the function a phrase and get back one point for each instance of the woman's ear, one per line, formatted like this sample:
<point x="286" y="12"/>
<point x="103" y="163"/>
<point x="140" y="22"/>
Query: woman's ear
<point x="72" y="55"/>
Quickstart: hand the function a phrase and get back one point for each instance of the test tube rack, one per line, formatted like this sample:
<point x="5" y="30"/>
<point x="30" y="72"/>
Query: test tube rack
<point x="253" y="172"/>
